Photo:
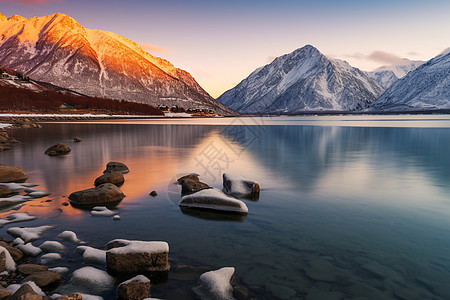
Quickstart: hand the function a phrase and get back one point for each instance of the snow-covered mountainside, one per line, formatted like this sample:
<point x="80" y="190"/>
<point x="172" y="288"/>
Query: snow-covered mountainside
<point x="58" y="50"/>
<point x="304" y="80"/>
<point x="425" y="88"/>
<point x="385" y="76"/>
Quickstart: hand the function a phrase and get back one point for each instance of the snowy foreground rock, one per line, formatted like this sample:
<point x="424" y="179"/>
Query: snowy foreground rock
<point x="135" y="288"/>
<point x="213" y="199"/>
<point x="239" y="186"/>
<point x="103" y="194"/>
<point x="216" y="284"/>
<point x="124" y="256"/>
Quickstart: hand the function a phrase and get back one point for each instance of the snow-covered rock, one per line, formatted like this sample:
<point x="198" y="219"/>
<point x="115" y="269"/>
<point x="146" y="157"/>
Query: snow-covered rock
<point x="9" y="264"/>
<point x="92" y="277"/>
<point x="13" y="288"/>
<point x="304" y="80"/>
<point x="16" y="217"/>
<point x="29" y="234"/>
<point x="425" y="88"/>
<point x="60" y="270"/>
<point x="50" y="258"/>
<point x="213" y="199"/>
<point x="102" y="211"/>
<point x="59" y="50"/>
<point x="135" y="288"/>
<point x="52" y="246"/>
<point x="29" y="249"/>
<point x="70" y="236"/>
<point x="126" y="256"/>
<point x="239" y="186"/>
<point x="92" y="255"/>
<point x="216" y="284"/>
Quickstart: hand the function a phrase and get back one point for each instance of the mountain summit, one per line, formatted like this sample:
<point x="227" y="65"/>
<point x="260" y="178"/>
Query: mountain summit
<point x="58" y="50"/>
<point x="304" y="80"/>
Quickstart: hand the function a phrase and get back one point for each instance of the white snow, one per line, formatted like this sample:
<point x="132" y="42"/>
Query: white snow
<point x="16" y="199"/>
<point x="92" y="255"/>
<point x="50" y="258"/>
<point x="213" y="199"/>
<point x="14" y="287"/>
<point x="139" y="247"/>
<point x="177" y="115"/>
<point x="69" y="236"/>
<point x="3" y="125"/>
<point x="10" y="265"/>
<point x="90" y="297"/>
<point x="138" y="278"/>
<point x="29" y="249"/>
<point x="36" y="193"/>
<point x="239" y="184"/>
<point x="29" y="233"/>
<point x="116" y="217"/>
<point x="90" y="276"/>
<point x="60" y="270"/>
<point x="216" y="284"/>
<point x="16" y="217"/>
<point x="102" y="211"/>
<point x="52" y="246"/>
<point x="18" y="241"/>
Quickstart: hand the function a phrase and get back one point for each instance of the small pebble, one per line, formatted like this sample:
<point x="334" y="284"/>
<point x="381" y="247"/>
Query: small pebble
<point x="153" y="194"/>
<point x="65" y="204"/>
<point x="116" y="218"/>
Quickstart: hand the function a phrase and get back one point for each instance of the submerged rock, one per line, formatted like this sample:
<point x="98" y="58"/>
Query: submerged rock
<point x="115" y="178"/>
<point x="114" y="166"/>
<point x="239" y="186"/>
<point x="57" y="150"/>
<point x="12" y="174"/>
<point x="135" y="257"/>
<point x="213" y="199"/>
<point x="77" y="139"/>
<point x="191" y="184"/>
<point x="136" y="288"/>
<point x="103" y="194"/>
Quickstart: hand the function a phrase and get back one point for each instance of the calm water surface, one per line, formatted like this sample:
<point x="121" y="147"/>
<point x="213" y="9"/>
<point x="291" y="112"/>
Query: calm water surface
<point x="350" y="208"/>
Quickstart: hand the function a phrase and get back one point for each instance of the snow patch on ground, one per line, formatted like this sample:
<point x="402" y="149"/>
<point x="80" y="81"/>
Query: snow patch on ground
<point x="29" y="234"/>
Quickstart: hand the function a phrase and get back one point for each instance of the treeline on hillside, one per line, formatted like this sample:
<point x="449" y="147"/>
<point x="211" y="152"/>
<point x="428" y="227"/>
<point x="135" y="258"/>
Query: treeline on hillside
<point x="18" y="99"/>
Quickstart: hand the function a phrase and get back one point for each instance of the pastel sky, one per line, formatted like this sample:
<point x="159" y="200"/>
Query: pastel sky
<point x="222" y="42"/>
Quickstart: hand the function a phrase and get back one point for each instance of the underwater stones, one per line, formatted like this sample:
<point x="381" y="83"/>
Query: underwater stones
<point x="213" y="199"/>
<point x="239" y="186"/>
<point x="103" y="194"/>
<point x="115" y="178"/>
<point x="57" y="150"/>
<point x="114" y="166"/>
<point x="12" y="174"/>
<point x="126" y="256"/>
<point x="136" y="288"/>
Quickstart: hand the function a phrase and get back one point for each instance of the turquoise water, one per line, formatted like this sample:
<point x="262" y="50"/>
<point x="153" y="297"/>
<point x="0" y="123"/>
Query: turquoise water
<point x="350" y="207"/>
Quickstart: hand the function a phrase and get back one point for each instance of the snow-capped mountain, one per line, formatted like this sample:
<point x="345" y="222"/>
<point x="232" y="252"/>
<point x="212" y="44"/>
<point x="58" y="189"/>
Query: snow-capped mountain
<point x="385" y="76"/>
<point x="58" y="50"/>
<point x="425" y="88"/>
<point x="304" y="80"/>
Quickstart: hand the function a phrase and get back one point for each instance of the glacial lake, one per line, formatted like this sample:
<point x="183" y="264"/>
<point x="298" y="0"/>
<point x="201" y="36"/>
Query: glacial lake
<point x="351" y="207"/>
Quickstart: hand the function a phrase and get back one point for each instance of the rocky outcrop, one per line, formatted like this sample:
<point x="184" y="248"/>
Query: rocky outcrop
<point x="58" y="150"/>
<point x="103" y="194"/>
<point x="136" y="288"/>
<point x="191" y="184"/>
<point x="239" y="186"/>
<point x="213" y="199"/>
<point x="114" y="166"/>
<point x="12" y="174"/>
<point x="115" y="178"/>
<point x="136" y="257"/>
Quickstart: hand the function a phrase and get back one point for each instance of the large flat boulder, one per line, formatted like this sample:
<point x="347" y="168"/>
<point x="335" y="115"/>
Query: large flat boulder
<point x="115" y="166"/>
<point x="213" y="199"/>
<point x="58" y="150"/>
<point x="239" y="186"/>
<point x="136" y="257"/>
<point x="12" y="174"/>
<point x="103" y="194"/>
<point x="115" y="178"/>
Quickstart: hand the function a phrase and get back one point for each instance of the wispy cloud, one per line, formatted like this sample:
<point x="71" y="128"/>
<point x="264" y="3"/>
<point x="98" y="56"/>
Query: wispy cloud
<point x="31" y="3"/>
<point x="379" y="57"/>
<point x="154" y="48"/>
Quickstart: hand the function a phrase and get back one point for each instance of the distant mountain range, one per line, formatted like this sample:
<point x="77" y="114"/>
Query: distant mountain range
<point x="308" y="81"/>
<point x="425" y="88"/>
<point x="385" y="76"/>
<point x="58" y="50"/>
